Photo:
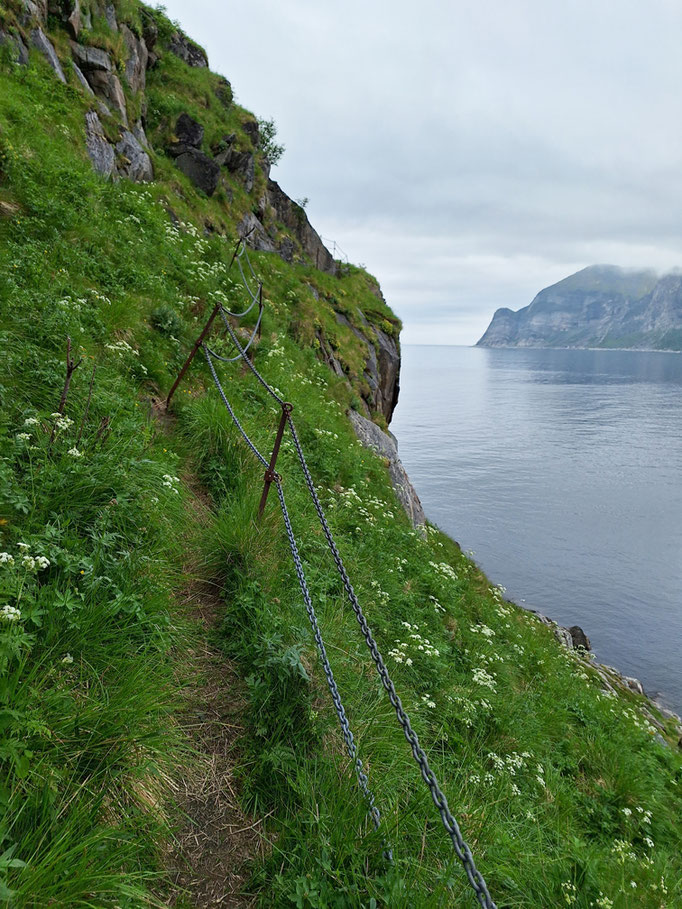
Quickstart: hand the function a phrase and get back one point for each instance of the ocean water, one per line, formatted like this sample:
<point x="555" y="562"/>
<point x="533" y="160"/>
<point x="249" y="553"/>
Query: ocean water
<point x="562" y="471"/>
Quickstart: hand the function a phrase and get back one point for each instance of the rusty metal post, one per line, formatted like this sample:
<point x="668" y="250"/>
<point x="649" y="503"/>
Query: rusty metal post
<point x="270" y="474"/>
<point x="197" y="345"/>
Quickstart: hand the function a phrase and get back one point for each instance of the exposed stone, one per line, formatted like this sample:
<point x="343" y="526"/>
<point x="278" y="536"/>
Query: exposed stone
<point x="135" y="164"/>
<point x="74" y="21"/>
<point x="140" y="135"/>
<point x="91" y="59"/>
<point x="83" y="81"/>
<point x="100" y="151"/>
<point x="16" y="46"/>
<point x="136" y="63"/>
<point x="108" y="86"/>
<point x="241" y="164"/>
<point x="293" y="217"/>
<point x="221" y="151"/>
<point x="42" y="43"/>
<point x="224" y="92"/>
<point x="33" y="11"/>
<point x="384" y="445"/>
<point x="189" y="134"/>
<point x="150" y="30"/>
<point x="286" y="250"/>
<point x="633" y="684"/>
<point x="187" y="50"/>
<point x="110" y="16"/>
<point x="382" y="367"/>
<point x="202" y="170"/>
<point x="256" y="237"/>
<point x="579" y="638"/>
<point x="251" y="129"/>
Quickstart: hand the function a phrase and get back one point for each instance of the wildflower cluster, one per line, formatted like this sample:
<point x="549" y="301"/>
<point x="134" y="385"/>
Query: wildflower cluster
<point x="170" y="482"/>
<point x="415" y="643"/>
<point x="10" y="614"/>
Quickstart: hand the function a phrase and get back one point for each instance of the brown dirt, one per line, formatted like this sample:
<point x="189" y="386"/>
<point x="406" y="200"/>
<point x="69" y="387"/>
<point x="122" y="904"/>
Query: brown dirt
<point x="217" y="840"/>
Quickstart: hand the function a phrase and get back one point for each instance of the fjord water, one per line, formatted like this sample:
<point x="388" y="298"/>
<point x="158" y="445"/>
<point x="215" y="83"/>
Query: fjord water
<point x="562" y="471"/>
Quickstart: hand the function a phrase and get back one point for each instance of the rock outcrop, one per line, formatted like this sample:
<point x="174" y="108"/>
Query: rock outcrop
<point x="385" y="446"/>
<point x="600" y="306"/>
<point x="17" y="48"/>
<point x="180" y="45"/>
<point x="201" y="169"/>
<point x="99" y="71"/>
<point x="102" y="154"/>
<point x="42" y="43"/>
<point x="382" y="367"/>
<point x="293" y="217"/>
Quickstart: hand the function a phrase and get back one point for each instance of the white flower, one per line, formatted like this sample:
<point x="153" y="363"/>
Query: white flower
<point x="6" y="558"/>
<point x="29" y="562"/>
<point x="75" y="453"/>
<point x="42" y="562"/>
<point x="23" y="436"/>
<point x="10" y="614"/>
<point x="67" y="659"/>
<point x="627" y="812"/>
<point x="31" y="421"/>
<point x="22" y="545"/>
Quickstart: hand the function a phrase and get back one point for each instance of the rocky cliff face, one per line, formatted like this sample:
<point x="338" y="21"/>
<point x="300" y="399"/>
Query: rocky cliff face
<point x="600" y="306"/>
<point x="117" y="58"/>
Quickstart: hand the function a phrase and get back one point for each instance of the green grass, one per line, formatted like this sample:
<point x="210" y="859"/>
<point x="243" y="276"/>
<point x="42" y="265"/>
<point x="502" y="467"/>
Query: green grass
<point x="556" y="785"/>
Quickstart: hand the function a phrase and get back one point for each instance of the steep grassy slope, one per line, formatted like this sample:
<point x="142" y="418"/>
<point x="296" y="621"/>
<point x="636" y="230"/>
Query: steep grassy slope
<point x="562" y="791"/>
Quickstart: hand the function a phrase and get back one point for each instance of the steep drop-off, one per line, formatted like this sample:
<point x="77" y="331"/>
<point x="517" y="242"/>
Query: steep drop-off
<point x="600" y="306"/>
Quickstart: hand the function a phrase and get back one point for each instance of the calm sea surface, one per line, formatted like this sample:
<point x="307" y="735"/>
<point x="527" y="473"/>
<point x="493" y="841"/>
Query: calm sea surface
<point x="562" y="471"/>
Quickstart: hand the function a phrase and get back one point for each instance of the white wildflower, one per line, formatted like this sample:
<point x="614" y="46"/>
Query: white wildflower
<point x="23" y="436"/>
<point x="75" y="453"/>
<point x="42" y="562"/>
<point x="31" y="421"/>
<point x="10" y="614"/>
<point x="28" y="562"/>
<point x="6" y="558"/>
<point x="67" y="659"/>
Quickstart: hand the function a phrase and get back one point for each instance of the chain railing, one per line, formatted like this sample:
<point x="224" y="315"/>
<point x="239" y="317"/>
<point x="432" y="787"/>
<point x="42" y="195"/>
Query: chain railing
<point x="460" y="846"/>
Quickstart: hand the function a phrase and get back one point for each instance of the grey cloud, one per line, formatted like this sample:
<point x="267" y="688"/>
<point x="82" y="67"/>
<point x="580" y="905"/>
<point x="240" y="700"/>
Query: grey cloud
<point x="468" y="153"/>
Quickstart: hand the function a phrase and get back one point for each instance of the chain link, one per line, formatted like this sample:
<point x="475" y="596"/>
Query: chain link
<point x="243" y="350"/>
<point x="363" y="780"/>
<point x="460" y="846"/>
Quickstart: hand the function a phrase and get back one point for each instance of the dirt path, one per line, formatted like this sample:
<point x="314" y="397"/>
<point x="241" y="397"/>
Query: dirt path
<point x="217" y="839"/>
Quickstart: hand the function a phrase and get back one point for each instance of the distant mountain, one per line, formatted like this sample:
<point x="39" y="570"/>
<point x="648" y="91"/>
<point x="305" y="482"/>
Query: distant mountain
<point x="600" y="306"/>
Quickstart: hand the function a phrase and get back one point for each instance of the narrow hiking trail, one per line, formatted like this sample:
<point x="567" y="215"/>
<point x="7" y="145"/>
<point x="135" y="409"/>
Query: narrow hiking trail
<point x="215" y="841"/>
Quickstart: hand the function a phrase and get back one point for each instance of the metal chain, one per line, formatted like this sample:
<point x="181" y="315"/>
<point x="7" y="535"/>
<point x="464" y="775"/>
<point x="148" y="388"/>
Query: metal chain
<point x="248" y="344"/>
<point x="351" y="747"/>
<point x="331" y="682"/>
<point x="239" y="426"/>
<point x="460" y="846"/>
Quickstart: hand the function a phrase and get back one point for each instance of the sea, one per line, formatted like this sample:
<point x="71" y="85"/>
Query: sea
<point x="561" y="471"/>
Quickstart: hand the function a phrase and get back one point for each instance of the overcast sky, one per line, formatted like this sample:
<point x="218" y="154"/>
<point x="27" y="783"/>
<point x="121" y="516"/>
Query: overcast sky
<point x="467" y="152"/>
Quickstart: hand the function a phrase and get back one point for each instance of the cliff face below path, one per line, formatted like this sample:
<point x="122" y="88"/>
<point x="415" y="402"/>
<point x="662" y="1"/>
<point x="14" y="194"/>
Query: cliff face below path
<point x="600" y="306"/>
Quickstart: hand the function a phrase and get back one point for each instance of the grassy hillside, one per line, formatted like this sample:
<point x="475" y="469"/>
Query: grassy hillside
<point x="564" y="793"/>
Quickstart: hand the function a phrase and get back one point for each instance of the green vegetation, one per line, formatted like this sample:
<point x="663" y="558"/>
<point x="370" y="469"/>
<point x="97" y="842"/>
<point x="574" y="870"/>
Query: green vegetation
<point x="563" y="793"/>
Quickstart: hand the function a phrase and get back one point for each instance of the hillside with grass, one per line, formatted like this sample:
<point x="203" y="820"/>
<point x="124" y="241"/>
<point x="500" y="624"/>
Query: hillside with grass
<point x="167" y="736"/>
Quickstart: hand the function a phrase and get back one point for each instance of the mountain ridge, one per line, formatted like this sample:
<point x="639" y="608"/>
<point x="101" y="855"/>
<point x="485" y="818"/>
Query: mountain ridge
<point x="602" y="306"/>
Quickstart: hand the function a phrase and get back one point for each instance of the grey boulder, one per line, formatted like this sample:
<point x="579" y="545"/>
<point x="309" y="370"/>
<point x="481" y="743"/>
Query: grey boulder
<point x="100" y="151"/>
<point x="136" y="62"/>
<point x="201" y="170"/>
<point x="17" y="48"/>
<point x="43" y="44"/>
<point x="187" y="50"/>
<point x="371" y="436"/>
<point x="134" y="163"/>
